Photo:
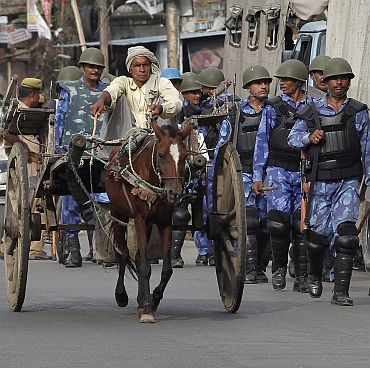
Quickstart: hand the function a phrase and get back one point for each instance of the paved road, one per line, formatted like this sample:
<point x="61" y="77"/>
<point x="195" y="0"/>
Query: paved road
<point x="70" y="319"/>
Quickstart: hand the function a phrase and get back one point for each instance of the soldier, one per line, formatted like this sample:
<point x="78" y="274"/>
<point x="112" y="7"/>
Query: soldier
<point x="277" y="162"/>
<point x="334" y="133"/>
<point x="173" y="75"/>
<point x="256" y="79"/>
<point x="316" y="69"/>
<point x="191" y="93"/>
<point x="210" y="79"/>
<point x="72" y="116"/>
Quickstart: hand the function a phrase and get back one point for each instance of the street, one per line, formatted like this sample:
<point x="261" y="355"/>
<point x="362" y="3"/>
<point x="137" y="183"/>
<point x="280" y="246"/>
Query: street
<point x="70" y="319"/>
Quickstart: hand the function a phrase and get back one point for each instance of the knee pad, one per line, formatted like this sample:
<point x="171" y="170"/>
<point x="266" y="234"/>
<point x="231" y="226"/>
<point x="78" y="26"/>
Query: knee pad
<point x="252" y="220"/>
<point x="315" y="242"/>
<point x="347" y="241"/>
<point x="278" y="223"/>
<point x="181" y="216"/>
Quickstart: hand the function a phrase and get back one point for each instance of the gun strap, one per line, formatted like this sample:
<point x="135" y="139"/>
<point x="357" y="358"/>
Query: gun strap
<point x="315" y="161"/>
<point x="236" y="124"/>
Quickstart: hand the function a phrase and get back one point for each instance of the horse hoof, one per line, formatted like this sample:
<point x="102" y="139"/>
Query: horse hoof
<point x="121" y="299"/>
<point x="147" y="318"/>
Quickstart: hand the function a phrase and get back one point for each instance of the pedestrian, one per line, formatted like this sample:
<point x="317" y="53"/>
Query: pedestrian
<point x="73" y="116"/>
<point x="244" y="126"/>
<point x="334" y="132"/>
<point x="278" y="164"/>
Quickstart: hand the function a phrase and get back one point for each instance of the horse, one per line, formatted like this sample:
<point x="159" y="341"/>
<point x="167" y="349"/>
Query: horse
<point x="144" y="186"/>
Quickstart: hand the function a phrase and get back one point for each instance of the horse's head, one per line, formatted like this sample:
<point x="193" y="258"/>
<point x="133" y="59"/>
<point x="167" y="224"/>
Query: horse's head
<point x="171" y="154"/>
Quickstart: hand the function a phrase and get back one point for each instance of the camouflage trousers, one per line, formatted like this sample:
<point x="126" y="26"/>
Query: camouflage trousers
<point x="251" y="199"/>
<point x="287" y="198"/>
<point x="334" y="202"/>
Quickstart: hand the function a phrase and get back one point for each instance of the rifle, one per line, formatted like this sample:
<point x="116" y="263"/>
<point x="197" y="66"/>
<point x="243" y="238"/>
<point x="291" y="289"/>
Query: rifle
<point x="305" y="187"/>
<point x="306" y="165"/>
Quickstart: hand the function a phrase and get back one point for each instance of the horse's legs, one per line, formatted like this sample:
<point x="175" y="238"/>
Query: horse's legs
<point x="166" y="233"/>
<point x="143" y="272"/>
<point x="122" y="257"/>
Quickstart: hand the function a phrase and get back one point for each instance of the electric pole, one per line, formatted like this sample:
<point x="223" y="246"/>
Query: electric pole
<point x="173" y="33"/>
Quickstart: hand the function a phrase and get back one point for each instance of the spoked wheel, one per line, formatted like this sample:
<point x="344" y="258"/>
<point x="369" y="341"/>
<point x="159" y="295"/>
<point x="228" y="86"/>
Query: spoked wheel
<point x="17" y="223"/>
<point x="230" y="236"/>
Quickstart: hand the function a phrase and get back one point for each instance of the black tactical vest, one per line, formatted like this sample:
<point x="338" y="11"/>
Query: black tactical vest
<point x="340" y="151"/>
<point x="281" y="154"/>
<point x="246" y="139"/>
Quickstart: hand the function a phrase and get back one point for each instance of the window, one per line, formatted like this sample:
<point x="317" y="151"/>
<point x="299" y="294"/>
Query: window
<point x="302" y="50"/>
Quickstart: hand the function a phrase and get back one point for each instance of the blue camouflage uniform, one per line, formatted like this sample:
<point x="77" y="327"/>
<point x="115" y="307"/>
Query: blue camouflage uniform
<point x="210" y="136"/>
<point x="335" y="201"/>
<point x="70" y="213"/>
<point x="256" y="206"/>
<point x="277" y="164"/>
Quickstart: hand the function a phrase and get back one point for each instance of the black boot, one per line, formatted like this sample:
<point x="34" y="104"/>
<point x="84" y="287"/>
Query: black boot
<point x="342" y="276"/>
<point x="291" y="264"/>
<point x="346" y="245"/>
<point x="263" y="252"/>
<point x="317" y="246"/>
<point x="251" y="251"/>
<point x="178" y="237"/>
<point x="300" y="258"/>
<point x="74" y="259"/>
<point x="328" y="265"/>
<point x="278" y="225"/>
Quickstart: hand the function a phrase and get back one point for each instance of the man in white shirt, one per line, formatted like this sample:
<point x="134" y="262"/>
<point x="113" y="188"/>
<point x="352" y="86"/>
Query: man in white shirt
<point x="148" y="95"/>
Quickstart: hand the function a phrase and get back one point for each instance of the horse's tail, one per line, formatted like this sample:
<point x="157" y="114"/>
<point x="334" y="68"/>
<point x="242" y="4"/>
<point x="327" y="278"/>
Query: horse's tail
<point x="130" y="262"/>
<point x="132" y="268"/>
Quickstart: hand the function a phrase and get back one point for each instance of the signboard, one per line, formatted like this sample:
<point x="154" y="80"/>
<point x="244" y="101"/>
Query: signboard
<point x="205" y="53"/>
<point x="9" y="34"/>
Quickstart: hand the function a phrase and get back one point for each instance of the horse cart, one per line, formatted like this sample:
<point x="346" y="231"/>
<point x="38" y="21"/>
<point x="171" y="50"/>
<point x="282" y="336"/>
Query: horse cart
<point x="30" y="200"/>
<point x="34" y="180"/>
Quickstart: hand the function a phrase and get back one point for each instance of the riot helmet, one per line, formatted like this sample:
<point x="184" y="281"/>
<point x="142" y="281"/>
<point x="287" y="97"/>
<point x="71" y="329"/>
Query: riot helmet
<point x="211" y="77"/>
<point x="292" y="69"/>
<point x="92" y="56"/>
<point x="337" y="66"/>
<point x="254" y="73"/>
<point x="318" y="63"/>
<point x="69" y="73"/>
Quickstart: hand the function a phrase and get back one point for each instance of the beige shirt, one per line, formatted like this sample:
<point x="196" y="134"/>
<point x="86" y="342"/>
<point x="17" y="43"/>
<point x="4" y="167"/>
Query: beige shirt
<point x="167" y="96"/>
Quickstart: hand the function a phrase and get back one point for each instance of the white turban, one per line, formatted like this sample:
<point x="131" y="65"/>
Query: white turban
<point x="136" y="51"/>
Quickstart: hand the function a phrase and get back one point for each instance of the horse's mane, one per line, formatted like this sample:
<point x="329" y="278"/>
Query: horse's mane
<point x="172" y="131"/>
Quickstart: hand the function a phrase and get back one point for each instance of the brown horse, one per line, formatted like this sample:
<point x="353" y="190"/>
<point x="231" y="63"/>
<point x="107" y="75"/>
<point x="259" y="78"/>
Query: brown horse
<point x="148" y="196"/>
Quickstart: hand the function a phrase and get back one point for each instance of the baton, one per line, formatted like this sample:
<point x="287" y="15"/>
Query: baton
<point x="268" y="189"/>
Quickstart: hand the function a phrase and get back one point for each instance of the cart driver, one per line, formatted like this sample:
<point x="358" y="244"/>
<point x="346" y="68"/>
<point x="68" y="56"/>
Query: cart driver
<point x="144" y="90"/>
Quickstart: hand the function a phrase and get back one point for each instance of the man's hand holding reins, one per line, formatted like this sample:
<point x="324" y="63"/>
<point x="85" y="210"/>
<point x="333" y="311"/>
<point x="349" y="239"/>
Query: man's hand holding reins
<point x="156" y="111"/>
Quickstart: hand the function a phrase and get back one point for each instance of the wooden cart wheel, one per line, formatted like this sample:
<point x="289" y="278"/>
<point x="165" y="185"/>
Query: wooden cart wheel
<point x="17" y="222"/>
<point x="230" y="247"/>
